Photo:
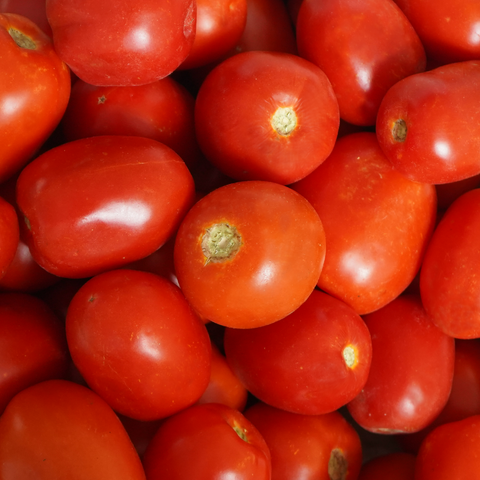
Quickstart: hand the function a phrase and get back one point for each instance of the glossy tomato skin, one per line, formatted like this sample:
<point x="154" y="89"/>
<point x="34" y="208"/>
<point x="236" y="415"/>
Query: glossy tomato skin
<point x="121" y="199"/>
<point x="282" y="104"/>
<point x="34" y="91"/>
<point x="449" y="282"/>
<point x="161" y="110"/>
<point x="377" y="223"/>
<point x="412" y="369"/>
<point x="310" y="447"/>
<point x="141" y="42"/>
<point x="33" y="347"/>
<point x="357" y="45"/>
<point x="138" y="344"/>
<point x="427" y="124"/>
<point x="438" y="458"/>
<point x="280" y="252"/>
<point x="57" y="429"/>
<point x="205" y="442"/>
<point x="311" y="362"/>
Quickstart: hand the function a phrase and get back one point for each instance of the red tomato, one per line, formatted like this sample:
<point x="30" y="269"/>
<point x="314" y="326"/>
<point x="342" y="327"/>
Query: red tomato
<point x="9" y="236"/>
<point x="412" y="370"/>
<point x="377" y="223"/>
<point x="34" y="91"/>
<point x="308" y="447"/>
<point x="121" y="199"/>
<point x="447" y="193"/>
<point x="450" y="32"/>
<point x="311" y="362"/>
<point x="33" y="347"/>
<point x="206" y="442"/>
<point x="392" y="466"/>
<point x="32" y="9"/>
<point x="120" y="42"/>
<point x="137" y="343"/>
<point x="363" y="47"/>
<point x="58" y="429"/>
<point x="280" y="103"/>
<point x="428" y="125"/>
<point x="440" y="455"/>
<point x="449" y="281"/>
<point x="162" y="110"/>
<point x="249" y="253"/>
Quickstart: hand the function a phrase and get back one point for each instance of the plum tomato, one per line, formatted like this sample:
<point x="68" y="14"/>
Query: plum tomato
<point x="377" y="223"/>
<point x="311" y="362"/>
<point x="411" y="373"/>
<point x="249" y="253"/>
<point x="266" y="116"/>
<point x="138" y="344"/>
<point x="102" y="202"/>
<point x="205" y="442"/>
<point x="308" y="447"/>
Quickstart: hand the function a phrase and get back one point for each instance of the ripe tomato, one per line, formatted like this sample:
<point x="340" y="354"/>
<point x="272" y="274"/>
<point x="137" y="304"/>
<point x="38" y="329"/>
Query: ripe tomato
<point x="249" y="253"/>
<point x="137" y="343"/>
<point x="34" y="91"/>
<point x="310" y="447"/>
<point x="122" y="42"/>
<point x="206" y="442"/>
<point x="9" y="236"/>
<point x="312" y="362"/>
<point x="392" y="466"/>
<point x="411" y="373"/>
<point x="377" y="223"/>
<point x="121" y="199"/>
<point x="427" y="124"/>
<point x="357" y="45"/>
<point x="282" y="104"/>
<point x="32" y="9"/>
<point x="58" y="429"/>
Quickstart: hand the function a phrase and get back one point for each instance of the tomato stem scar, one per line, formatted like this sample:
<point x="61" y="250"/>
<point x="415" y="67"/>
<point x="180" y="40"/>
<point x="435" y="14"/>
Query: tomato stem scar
<point x="284" y="120"/>
<point x="21" y="39"/>
<point x="220" y="242"/>
<point x="399" y="130"/>
<point x="337" y="465"/>
<point x="349" y="356"/>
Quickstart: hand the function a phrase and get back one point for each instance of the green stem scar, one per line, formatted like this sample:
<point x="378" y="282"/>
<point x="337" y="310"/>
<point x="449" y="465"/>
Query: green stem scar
<point x="220" y="242"/>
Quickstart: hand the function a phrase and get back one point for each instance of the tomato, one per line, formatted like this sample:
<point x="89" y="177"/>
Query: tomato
<point x="411" y="373"/>
<point x="32" y="9"/>
<point x="449" y="283"/>
<point x="377" y="223"/>
<point x="9" y="236"/>
<point x="394" y="466"/>
<point x="278" y="101"/>
<point x="310" y="447"/>
<point x="438" y="458"/>
<point x="447" y="193"/>
<point x="58" y="429"/>
<point x="121" y="199"/>
<point x="33" y="347"/>
<point x="249" y="253"/>
<point x="205" y="442"/>
<point x="34" y="91"/>
<point x="363" y="47"/>
<point x="427" y="124"/>
<point x="449" y="32"/>
<point x="137" y="343"/>
<point x="122" y="42"/>
<point x="311" y="362"/>
<point x="161" y="110"/>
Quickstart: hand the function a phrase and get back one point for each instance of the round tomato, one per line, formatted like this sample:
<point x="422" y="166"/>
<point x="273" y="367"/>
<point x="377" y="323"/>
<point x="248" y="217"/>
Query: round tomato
<point x="249" y="253"/>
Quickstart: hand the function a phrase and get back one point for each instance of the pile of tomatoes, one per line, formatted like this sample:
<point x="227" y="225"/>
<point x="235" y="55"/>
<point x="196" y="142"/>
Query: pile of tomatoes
<point x="239" y="239"/>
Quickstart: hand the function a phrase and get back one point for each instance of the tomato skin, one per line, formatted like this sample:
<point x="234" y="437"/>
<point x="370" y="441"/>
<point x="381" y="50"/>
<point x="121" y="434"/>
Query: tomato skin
<point x="310" y="447"/>
<point x="411" y="373"/>
<point x="34" y="92"/>
<point x="141" y="42"/>
<point x="377" y="223"/>
<point x="276" y="267"/>
<point x="357" y="45"/>
<point x="427" y="125"/>
<point x="240" y="99"/>
<point x="122" y="198"/>
<point x="32" y="9"/>
<point x="288" y="365"/>
<point x="9" y="237"/>
<point x="138" y="344"/>
<point x="202" y="442"/>
<point x="394" y="466"/>
<point x="56" y="429"/>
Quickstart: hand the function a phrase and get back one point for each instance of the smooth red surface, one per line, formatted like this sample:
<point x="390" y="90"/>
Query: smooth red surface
<point x="394" y="466"/>
<point x="412" y="369"/>
<point x="101" y="202"/>
<point x="377" y="223"/>
<point x="138" y="344"/>
<point x="298" y="363"/>
<point x="9" y="236"/>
